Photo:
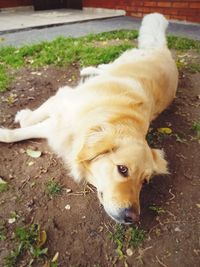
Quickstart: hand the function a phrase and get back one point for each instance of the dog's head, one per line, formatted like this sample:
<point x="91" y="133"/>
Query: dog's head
<point x="117" y="166"/>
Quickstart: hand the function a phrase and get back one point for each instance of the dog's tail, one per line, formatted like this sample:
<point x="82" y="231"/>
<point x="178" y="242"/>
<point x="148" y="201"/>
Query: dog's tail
<point x="152" y="31"/>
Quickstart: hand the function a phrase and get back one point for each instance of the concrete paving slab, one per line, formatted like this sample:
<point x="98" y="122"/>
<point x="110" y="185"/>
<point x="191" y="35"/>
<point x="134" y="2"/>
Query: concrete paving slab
<point x="80" y="29"/>
<point x="21" y="20"/>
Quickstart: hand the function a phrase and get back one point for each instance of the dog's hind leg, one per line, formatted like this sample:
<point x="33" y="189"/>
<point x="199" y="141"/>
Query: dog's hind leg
<point x="39" y="130"/>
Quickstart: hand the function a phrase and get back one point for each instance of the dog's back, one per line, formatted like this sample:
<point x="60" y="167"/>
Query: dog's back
<point x="152" y="64"/>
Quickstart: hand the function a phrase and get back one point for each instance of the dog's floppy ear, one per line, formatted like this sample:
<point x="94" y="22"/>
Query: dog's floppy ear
<point x="97" y="141"/>
<point x="155" y="163"/>
<point x="159" y="163"/>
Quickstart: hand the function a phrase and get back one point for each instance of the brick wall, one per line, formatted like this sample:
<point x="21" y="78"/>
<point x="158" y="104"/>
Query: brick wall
<point x="15" y="3"/>
<point x="173" y="9"/>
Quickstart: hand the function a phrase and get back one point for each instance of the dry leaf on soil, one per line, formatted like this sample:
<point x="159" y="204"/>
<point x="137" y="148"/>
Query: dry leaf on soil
<point x="41" y="239"/>
<point x="33" y="153"/>
<point x="165" y="130"/>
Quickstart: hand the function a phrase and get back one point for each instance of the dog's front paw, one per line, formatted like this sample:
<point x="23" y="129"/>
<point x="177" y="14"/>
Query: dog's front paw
<point x="22" y="117"/>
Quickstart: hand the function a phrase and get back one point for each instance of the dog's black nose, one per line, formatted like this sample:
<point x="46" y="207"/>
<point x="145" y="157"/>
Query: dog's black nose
<point x="131" y="215"/>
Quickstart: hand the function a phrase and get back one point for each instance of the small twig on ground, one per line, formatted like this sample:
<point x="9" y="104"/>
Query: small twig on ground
<point x="195" y="184"/>
<point x="160" y="262"/>
<point x="188" y="177"/>
<point x="90" y="188"/>
<point x="86" y="190"/>
<point x="108" y="226"/>
<point x="79" y="193"/>
<point x="142" y="251"/>
<point x="181" y="156"/>
<point x="24" y="183"/>
<point x="171" y="214"/>
<point x="154" y="227"/>
<point x="173" y="196"/>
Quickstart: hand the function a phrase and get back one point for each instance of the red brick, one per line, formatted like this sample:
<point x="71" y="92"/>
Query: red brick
<point x="195" y="5"/>
<point x="130" y="8"/>
<point x="170" y="11"/>
<point x="194" y="19"/>
<point x="136" y="3"/>
<point x="176" y="9"/>
<point x="179" y="17"/>
<point x="137" y="15"/>
<point x="120" y="7"/>
<point x="15" y="3"/>
<point x="147" y="3"/>
<point x="188" y="12"/>
<point x="164" y="4"/>
<point x="159" y="9"/>
<point x="150" y="9"/>
<point x="180" y="5"/>
<point x="128" y="13"/>
<point x="144" y="9"/>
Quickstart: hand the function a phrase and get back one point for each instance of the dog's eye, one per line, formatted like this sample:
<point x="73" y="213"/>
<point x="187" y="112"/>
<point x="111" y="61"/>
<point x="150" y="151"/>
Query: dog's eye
<point x="123" y="170"/>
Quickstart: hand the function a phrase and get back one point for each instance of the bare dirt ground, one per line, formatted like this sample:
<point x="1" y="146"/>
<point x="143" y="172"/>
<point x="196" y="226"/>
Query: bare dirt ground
<point x="81" y="234"/>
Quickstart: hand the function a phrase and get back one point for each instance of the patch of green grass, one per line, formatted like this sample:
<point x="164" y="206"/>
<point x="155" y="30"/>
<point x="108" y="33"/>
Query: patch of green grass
<point x="2" y="230"/>
<point x="193" y="67"/>
<point x="196" y="127"/>
<point x="27" y="239"/>
<point x="105" y="36"/>
<point x="156" y="209"/>
<point x="14" y="215"/>
<point x="118" y="237"/>
<point x="181" y="65"/>
<point x="13" y="257"/>
<point x="183" y="44"/>
<point x="3" y="185"/>
<point x="53" y="188"/>
<point x="4" y="79"/>
<point x="27" y="236"/>
<point x="135" y="236"/>
<point x="98" y="55"/>
<point x="63" y="51"/>
<point x="124" y="237"/>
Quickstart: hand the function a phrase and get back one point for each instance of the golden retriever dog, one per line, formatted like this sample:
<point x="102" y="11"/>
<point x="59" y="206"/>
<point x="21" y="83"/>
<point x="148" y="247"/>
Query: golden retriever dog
<point x="99" y="128"/>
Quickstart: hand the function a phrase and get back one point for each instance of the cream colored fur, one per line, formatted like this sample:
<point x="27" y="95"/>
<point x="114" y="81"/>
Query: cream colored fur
<point x="103" y="122"/>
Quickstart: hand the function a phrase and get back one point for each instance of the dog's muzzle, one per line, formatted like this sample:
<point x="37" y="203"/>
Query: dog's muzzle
<point x="126" y="216"/>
